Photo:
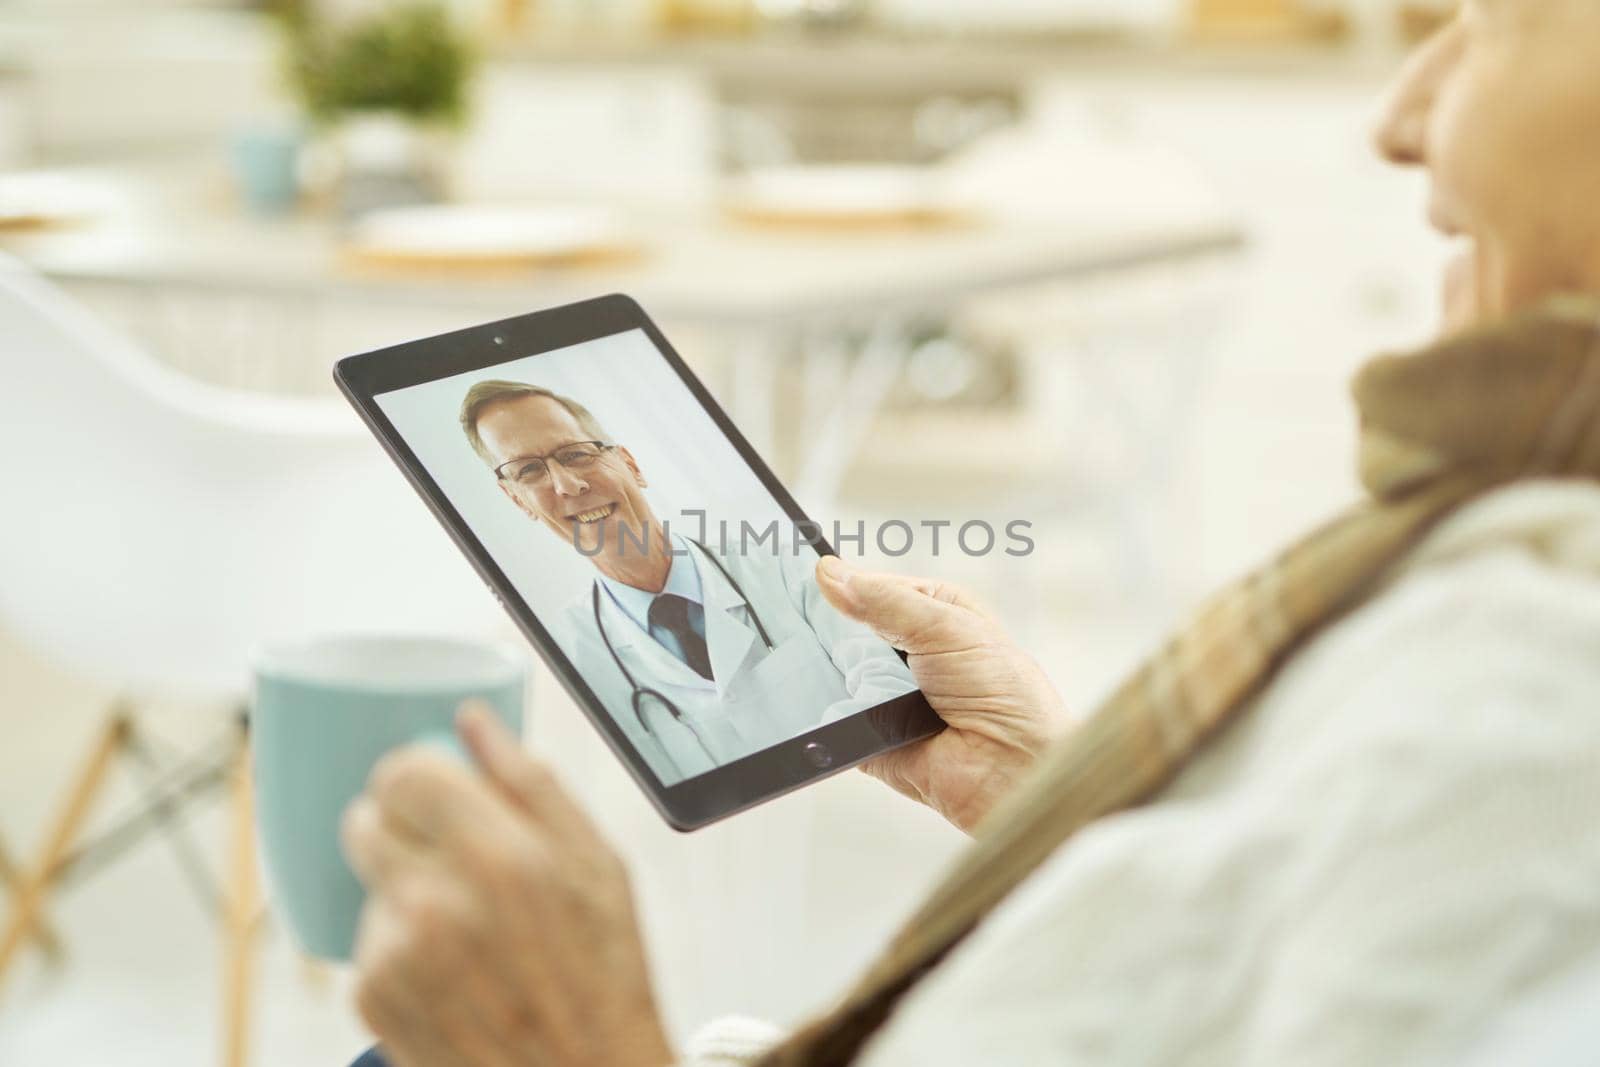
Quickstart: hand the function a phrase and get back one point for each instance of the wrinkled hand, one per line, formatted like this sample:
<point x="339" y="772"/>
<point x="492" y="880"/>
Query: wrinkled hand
<point x="499" y="928"/>
<point x="1000" y="709"/>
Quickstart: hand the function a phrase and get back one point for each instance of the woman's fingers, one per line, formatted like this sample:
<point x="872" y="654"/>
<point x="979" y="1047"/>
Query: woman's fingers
<point x="525" y="781"/>
<point x="438" y="800"/>
<point x="376" y="848"/>
<point x="918" y="615"/>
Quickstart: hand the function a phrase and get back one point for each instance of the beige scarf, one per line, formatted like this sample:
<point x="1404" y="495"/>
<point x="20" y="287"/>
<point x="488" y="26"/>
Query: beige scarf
<point x="1439" y="427"/>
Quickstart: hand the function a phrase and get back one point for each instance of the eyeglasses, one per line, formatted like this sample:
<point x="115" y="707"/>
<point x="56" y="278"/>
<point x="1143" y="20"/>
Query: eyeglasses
<point x="533" y="472"/>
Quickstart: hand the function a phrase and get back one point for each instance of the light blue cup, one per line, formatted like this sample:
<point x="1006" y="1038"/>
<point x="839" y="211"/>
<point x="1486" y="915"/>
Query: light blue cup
<point x="266" y="162"/>
<point x="324" y="712"/>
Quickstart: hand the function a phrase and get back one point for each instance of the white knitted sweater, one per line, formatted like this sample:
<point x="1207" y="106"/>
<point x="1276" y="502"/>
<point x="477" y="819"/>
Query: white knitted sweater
<point x="1383" y="862"/>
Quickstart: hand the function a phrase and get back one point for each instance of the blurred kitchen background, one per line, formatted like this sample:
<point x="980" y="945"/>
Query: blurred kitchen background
<point x="1101" y="265"/>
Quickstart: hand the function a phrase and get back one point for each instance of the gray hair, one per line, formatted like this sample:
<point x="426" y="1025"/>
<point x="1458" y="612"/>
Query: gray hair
<point x="495" y="391"/>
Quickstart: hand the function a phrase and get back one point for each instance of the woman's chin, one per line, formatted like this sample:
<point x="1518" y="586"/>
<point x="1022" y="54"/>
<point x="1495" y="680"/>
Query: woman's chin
<point x="1460" y="303"/>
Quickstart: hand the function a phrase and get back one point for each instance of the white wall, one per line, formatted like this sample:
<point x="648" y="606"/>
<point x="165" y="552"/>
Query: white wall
<point x="102" y="77"/>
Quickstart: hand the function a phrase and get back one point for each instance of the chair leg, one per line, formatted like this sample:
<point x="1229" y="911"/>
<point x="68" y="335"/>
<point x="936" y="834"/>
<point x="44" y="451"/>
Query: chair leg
<point x="241" y="918"/>
<point x="11" y="879"/>
<point x="34" y="885"/>
<point x="8" y="867"/>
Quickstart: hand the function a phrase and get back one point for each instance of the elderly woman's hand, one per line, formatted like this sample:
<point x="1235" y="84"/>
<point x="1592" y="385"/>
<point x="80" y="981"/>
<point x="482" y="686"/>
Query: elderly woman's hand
<point x="499" y="928"/>
<point x="1000" y="709"/>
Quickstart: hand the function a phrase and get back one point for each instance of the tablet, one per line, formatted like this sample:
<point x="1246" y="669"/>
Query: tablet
<point x="645" y="550"/>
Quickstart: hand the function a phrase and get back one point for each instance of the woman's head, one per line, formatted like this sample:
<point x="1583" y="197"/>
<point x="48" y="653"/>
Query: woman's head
<point x="1502" y="108"/>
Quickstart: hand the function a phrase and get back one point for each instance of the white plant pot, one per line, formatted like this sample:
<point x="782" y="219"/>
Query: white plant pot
<point x="388" y="159"/>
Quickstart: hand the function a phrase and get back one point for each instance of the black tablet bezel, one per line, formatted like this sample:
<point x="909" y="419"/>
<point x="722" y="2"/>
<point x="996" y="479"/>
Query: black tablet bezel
<point x="707" y="797"/>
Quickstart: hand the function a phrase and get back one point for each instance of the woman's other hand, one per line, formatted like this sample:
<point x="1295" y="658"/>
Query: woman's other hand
<point x="1000" y="709"/>
<point x="499" y="927"/>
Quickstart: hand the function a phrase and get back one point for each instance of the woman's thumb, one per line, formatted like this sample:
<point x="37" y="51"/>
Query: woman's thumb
<point x="912" y="614"/>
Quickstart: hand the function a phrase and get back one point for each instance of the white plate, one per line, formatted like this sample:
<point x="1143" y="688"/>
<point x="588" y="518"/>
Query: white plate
<point x="838" y="193"/>
<point x="1059" y="17"/>
<point x="479" y="232"/>
<point x="51" y="198"/>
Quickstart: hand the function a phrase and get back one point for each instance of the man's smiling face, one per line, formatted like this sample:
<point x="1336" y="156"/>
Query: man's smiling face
<point x="581" y="506"/>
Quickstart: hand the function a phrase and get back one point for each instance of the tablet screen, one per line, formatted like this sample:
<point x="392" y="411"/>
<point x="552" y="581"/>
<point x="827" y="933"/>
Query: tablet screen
<point x="650" y="551"/>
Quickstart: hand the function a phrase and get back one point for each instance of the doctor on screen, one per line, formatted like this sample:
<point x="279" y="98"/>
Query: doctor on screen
<point x="702" y="654"/>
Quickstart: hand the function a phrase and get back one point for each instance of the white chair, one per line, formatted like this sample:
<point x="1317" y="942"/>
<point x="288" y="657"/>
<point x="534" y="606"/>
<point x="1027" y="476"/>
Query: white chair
<point x="156" y="528"/>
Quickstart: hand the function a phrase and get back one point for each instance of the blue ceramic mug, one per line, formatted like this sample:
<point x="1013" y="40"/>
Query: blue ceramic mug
<point x="324" y="712"/>
<point x="266" y="161"/>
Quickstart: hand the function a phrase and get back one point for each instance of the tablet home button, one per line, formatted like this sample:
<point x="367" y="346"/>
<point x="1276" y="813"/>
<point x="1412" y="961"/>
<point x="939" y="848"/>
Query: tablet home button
<point x="817" y="755"/>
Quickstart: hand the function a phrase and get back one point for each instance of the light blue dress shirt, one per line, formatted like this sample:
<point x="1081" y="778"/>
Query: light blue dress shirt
<point x="683" y="578"/>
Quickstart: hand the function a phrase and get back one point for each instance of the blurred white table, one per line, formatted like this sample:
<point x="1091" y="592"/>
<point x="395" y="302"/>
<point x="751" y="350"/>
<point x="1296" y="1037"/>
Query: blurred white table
<point x="697" y="265"/>
<point x="173" y="242"/>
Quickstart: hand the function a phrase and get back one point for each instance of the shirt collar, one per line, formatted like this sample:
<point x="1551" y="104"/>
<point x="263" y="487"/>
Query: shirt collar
<point x="683" y="578"/>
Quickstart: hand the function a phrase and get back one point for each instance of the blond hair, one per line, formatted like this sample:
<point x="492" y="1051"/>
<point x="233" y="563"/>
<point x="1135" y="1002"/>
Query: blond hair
<point x="496" y="391"/>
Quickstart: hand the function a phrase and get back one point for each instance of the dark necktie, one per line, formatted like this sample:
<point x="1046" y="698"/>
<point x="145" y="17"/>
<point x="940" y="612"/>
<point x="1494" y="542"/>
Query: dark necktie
<point x="671" y="612"/>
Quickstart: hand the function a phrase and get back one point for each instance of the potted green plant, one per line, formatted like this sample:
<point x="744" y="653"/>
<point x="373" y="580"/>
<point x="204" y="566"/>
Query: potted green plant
<point x="388" y="85"/>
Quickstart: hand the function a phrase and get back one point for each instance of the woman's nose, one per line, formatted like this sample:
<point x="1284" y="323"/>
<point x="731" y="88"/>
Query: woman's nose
<point x="1401" y="132"/>
<point x="1400" y="135"/>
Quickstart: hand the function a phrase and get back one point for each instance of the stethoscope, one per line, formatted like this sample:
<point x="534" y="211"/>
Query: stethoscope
<point x="640" y="692"/>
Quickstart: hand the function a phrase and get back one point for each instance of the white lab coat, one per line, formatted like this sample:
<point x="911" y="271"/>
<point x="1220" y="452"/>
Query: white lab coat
<point x="822" y="667"/>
